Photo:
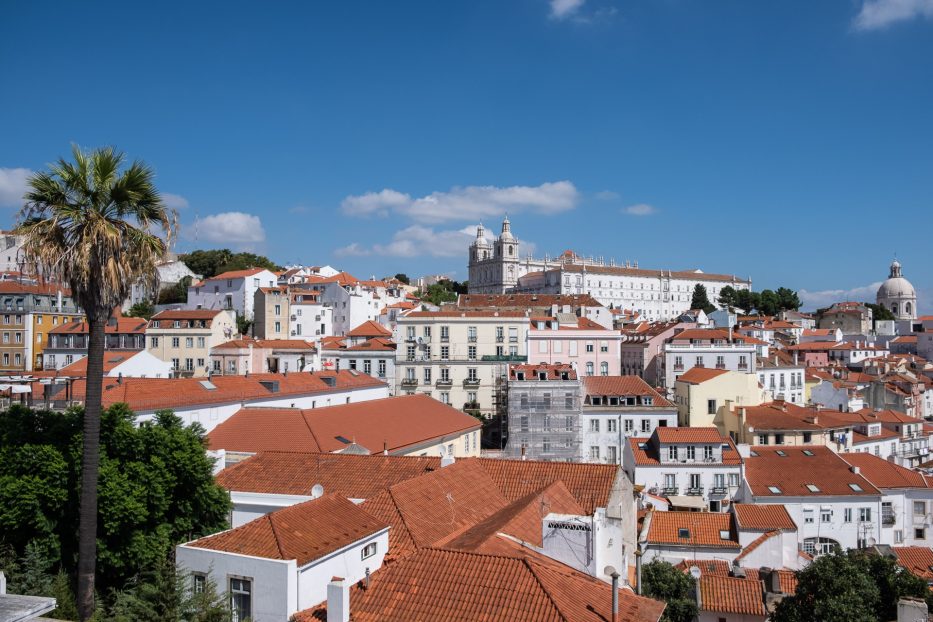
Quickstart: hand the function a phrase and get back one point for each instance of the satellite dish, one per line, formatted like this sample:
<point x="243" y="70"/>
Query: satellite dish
<point x="610" y="570"/>
<point x="317" y="491"/>
<point x="695" y="572"/>
<point x="871" y="542"/>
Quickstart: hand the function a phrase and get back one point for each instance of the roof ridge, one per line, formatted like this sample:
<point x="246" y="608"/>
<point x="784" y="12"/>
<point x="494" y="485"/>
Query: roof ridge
<point x="526" y="562"/>
<point x="401" y="515"/>
<point x="275" y="535"/>
<point x="754" y="544"/>
<point x="304" y="419"/>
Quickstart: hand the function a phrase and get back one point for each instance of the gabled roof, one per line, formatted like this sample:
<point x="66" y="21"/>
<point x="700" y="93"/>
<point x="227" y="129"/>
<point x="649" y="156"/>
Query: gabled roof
<point x="916" y="559"/>
<point x="762" y="517"/>
<point x="689" y="435"/>
<point x="303" y="532"/>
<point x="295" y="473"/>
<point x="376" y="344"/>
<point x="646" y="455"/>
<point x="437" y="584"/>
<point x="118" y="325"/>
<point x="112" y="359"/>
<point x="795" y="472"/>
<point x="692" y="529"/>
<point x="732" y="595"/>
<point x="395" y="423"/>
<point x="532" y="371"/>
<point x="370" y="329"/>
<point x="699" y="375"/>
<point x="884" y="474"/>
<point x="270" y="344"/>
<point x="236" y="274"/>
<point x="622" y="386"/>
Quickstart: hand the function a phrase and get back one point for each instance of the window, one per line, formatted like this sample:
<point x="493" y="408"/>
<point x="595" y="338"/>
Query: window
<point x="691" y="452"/>
<point x="699" y="362"/>
<point x="808" y="516"/>
<point x="198" y="582"/>
<point x="898" y="536"/>
<point x="589" y="347"/>
<point x="189" y="364"/>
<point x="612" y="454"/>
<point x="175" y="364"/>
<point x="612" y="425"/>
<point x="568" y="400"/>
<point x="410" y="353"/>
<point x="445" y="353"/>
<point x="710" y="407"/>
<point x="367" y="366"/>
<point x="368" y="551"/>
<point x="523" y="423"/>
<point x="672" y="453"/>
<point x="695" y="481"/>
<point x="427" y="374"/>
<point x="471" y="353"/>
<point x="471" y="374"/>
<point x="154" y="342"/>
<point x="734" y="480"/>
<point x="826" y="515"/>
<point x="670" y="480"/>
<point x="774" y="490"/>
<point x="719" y="480"/>
<point x="603" y="346"/>
<point x="240" y="599"/>
<point x="382" y="368"/>
<point x="762" y="439"/>
<point x="604" y="369"/>
<point x="646" y="425"/>
<point x="471" y="333"/>
<point x="629" y="425"/>
<point x="176" y="342"/>
<point x="920" y="508"/>
<point x="589" y="368"/>
<point x="864" y="515"/>
<point x="594" y="453"/>
<point x="778" y="439"/>
<point x="920" y="533"/>
<point x="708" y="452"/>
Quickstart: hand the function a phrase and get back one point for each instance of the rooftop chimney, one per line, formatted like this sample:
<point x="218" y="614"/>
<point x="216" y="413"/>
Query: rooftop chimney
<point x="447" y="460"/>
<point x="855" y="469"/>
<point x="338" y="600"/>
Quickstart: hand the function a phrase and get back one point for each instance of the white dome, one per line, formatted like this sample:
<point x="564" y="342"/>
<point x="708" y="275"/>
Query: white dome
<point x="896" y="287"/>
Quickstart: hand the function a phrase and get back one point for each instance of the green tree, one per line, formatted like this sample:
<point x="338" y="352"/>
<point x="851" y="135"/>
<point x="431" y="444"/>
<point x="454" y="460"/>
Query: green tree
<point x="444" y="290"/>
<point x="142" y="309"/>
<point x="850" y="585"/>
<point x="727" y="297"/>
<point x="768" y="303"/>
<point x="98" y="227"/>
<point x="787" y="299"/>
<point x="700" y="299"/>
<point x="177" y="293"/>
<point x="208" y="263"/>
<point x="879" y="312"/>
<point x="401" y="276"/>
<point x="663" y="582"/>
<point x="156" y="489"/>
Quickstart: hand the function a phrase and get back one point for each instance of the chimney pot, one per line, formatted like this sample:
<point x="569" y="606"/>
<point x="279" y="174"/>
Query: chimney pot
<point x="338" y="600"/>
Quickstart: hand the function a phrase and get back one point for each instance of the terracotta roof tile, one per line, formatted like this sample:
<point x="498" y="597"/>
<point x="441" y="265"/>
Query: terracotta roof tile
<point x="621" y="386"/>
<point x="689" y="529"/>
<point x="303" y="532"/>
<point x="762" y="517"/>
<point x="375" y="344"/>
<point x="731" y="595"/>
<point x="236" y="274"/>
<point x="884" y="474"/>
<point x="118" y="325"/>
<point x="395" y="423"/>
<point x="699" y="375"/>
<point x="646" y="454"/>
<point x="689" y="435"/>
<point x="111" y="360"/>
<point x="552" y="372"/>
<point x="370" y="329"/>
<point x="456" y="586"/>
<point x="524" y="301"/>
<point x="797" y="474"/>
<point x="917" y="559"/>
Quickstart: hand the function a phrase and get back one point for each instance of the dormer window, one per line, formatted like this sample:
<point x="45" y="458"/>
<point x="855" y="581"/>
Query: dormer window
<point x="542" y="375"/>
<point x="774" y="490"/>
<point x="683" y="533"/>
<point x="519" y="375"/>
<point x="813" y="488"/>
<point x="672" y="453"/>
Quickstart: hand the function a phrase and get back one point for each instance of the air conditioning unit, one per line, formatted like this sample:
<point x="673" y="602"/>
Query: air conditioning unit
<point x="293" y="333"/>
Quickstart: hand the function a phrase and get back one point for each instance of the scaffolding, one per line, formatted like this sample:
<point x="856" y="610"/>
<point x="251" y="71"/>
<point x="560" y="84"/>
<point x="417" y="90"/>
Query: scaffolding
<point x="544" y="420"/>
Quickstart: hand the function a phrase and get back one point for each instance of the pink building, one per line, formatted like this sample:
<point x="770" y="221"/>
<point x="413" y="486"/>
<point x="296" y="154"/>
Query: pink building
<point x="591" y="349"/>
<point x="642" y="349"/>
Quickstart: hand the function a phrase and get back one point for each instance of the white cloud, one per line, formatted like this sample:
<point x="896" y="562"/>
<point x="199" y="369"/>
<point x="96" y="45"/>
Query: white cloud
<point x="876" y="14"/>
<point x="562" y="9"/>
<point x="466" y="203"/>
<point x="826" y="297"/>
<point x="352" y="250"/>
<point x="641" y="209"/>
<point x="174" y="201"/>
<point x="231" y="228"/>
<point x="607" y="195"/>
<point x="420" y="241"/>
<point x="374" y="203"/>
<point x="13" y="186"/>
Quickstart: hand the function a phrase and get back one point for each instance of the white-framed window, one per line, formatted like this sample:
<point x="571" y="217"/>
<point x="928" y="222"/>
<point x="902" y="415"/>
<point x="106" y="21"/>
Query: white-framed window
<point x="198" y="582"/>
<point x="594" y="453"/>
<point x="864" y="515"/>
<point x="646" y="425"/>
<point x="368" y="551"/>
<point x="241" y="599"/>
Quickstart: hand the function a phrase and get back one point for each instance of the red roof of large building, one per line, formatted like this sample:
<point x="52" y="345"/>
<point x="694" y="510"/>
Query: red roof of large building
<point x="623" y="386"/>
<point x="699" y="375"/>
<point x="731" y="595"/>
<point x="806" y="471"/>
<point x="370" y="329"/>
<point x="884" y="474"/>
<point x="692" y="529"/>
<point x="303" y="532"/>
<point x="393" y="423"/>
<point x="454" y="586"/>
<point x="762" y="517"/>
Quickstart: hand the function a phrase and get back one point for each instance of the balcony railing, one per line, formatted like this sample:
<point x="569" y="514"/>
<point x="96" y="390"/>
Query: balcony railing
<point x="504" y="358"/>
<point x="409" y="382"/>
<point x="718" y="490"/>
<point x="678" y="366"/>
<point x="888" y="519"/>
<point x="471" y="382"/>
<point x="444" y="382"/>
<point x="695" y="491"/>
<point x="670" y="491"/>
<point x="720" y="365"/>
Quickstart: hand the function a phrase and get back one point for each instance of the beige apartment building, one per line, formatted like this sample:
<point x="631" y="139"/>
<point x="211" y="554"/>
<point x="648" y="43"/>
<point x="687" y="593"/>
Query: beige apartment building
<point x="272" y="310"/>
<point x="459" y="357"/>
<point x="185" y="337"/>
<point x="705" y="396"/>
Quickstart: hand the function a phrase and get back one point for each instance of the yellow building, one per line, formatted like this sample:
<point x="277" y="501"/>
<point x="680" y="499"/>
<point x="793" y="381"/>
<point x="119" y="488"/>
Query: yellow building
<point x="28" y="312"/>
<point x="704" y="395"/>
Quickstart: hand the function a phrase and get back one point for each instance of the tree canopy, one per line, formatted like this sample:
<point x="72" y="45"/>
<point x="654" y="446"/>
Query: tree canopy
<point x="143" y="309"/>
<point x="879" y="312"/>
<point x="444" y="290"/>
<point x="156" y="490"/>
<point x="402" y="277"/>
<point x="212" y="262"/>
<point x="853" y="586"/>
<point x="700" y="299"/>
<point x="765" y="302"/>
<point x="663" y="582"/>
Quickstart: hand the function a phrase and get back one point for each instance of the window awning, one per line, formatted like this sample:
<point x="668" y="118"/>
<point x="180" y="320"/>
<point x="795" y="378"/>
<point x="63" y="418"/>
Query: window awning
<point x="689" y="502"/>
<point x="16" y="388"/>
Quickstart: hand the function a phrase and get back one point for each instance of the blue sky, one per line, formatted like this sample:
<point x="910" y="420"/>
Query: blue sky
<point x="789" y="141"/>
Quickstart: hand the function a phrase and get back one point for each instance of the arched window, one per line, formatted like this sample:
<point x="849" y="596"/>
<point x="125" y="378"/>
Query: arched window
<point x="510" y="250"/>
<point x="485" y="254"/>
<point x="907" y="308"/>
<point x="894" y="308"/>
<point x="604" y="368"/>
<point x="589" y="368"/>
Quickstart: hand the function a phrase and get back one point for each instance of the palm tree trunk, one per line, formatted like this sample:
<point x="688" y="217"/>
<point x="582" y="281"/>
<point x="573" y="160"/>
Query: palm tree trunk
<point x="90" y="464"/>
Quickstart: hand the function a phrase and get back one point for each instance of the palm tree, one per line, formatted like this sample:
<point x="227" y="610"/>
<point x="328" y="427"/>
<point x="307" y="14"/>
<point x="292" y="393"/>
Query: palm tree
<point x="98" y="229"/>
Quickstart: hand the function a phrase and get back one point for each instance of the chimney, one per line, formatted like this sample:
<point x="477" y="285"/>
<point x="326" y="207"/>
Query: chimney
<point x="774" y="581"/>
<point x="856" y="470"/>
<point x="447" y="460"/>
<point x="737" y="571"/>
<point x="338" y="600"/>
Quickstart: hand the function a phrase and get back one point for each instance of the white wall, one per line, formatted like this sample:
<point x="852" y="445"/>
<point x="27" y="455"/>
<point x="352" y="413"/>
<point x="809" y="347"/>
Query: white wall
<point x="274" y="582"/>
<point x="346" y="563"/>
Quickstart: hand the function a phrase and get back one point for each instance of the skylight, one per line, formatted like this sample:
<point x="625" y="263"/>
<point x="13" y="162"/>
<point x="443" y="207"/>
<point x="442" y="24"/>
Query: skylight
<point x="207" y="384"/>
<point x="855" y="487"/>
<point x="807" y="452"/>
<point x="813" y="488"/>
<point x="774" y="490"/>
<point x="781" y="453"/>
<point x="724" y="534"/>
<point x="683" y="533"/>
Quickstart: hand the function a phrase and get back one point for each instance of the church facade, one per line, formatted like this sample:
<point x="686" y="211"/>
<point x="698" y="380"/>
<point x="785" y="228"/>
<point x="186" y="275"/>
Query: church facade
<point x="496" y="267"/>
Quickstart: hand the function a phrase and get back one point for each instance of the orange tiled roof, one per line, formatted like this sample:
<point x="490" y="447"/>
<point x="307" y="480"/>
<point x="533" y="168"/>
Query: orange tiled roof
<point x="111" y="360"/>
<point x="917" y="559"/>
<point x="689" y="435"/>
<point x="699" y="375"/>
<point x="437" y="584"/>
<point x="466" y="314"/>
<point x="762" y="517"/>
<point x="273" y="344"/>
<point x="394" y="423"/>
<point x="646" y="455"/>
<point x="731" y="595"/>
<point x="376" y="344"/>
<point x="792" y="473"/>
<point x="303" y="532"/>
<point x="552" y="372"/>
<point x="722" y="568"/>
<point x="703" y="529"/>
<point x="370" y="329"/>
<point x="884" y="474"/>
<point x="620" y="386"/>
<point x="236" y="274"/>
<point x="142" y="394"/>
<point x="122" y="324"/>
<point x="186" y="314"/>
<point x="295" y="473"/>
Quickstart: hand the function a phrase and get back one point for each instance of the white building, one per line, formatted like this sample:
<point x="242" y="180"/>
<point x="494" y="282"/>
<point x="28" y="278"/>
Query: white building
<point x="310" y="318"/>
<point x="898" y="295"/>
<point x="234" y="290"/>
<point x="497" y="267"/>
<point x="783" y="379"/>
<point x="281" y="563"/>
<point x="715" y="348"/>
<point x="694" y="468"/>
<point x="353" y="301"/>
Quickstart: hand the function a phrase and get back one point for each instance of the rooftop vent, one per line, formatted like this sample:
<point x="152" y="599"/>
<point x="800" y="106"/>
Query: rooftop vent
<point x="271" y="385"/>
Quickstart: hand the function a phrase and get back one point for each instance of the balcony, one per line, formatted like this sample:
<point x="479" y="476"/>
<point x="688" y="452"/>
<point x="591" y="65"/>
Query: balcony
<point x="668" y="492"/>
<point x="888" y="519"/>
<point x="504" y="358"/>
<point x="445" y="338"/>
<point x="695" y="492"/>
<point x="743" y="365"/>
<point x="471" y="383"/>
<point x="444" y="383"/>
<point x="500" y="338"/>
<point x="471" y="339"/>
<point x="678" y="367"/>
<point x="720" y="365"/>
<point x="719" y="490"/>
<point x="410" y="382"/>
